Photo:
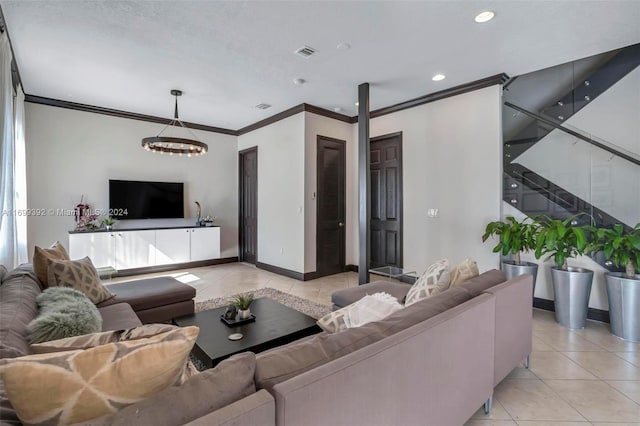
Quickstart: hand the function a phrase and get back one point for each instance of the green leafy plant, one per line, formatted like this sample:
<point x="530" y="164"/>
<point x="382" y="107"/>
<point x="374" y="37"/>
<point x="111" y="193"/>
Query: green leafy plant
<point x="559" y="239"/>
<point x="243" y="302"/>
<point x="515" y="236"/>
<point x="108" y="221"/>
<point x="620" y="247"/>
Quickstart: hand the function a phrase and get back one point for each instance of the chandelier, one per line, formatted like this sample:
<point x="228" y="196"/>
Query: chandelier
<point x="175" y="146"/>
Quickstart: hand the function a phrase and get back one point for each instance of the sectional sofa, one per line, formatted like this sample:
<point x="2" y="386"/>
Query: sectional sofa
<point x="434" y="362"/>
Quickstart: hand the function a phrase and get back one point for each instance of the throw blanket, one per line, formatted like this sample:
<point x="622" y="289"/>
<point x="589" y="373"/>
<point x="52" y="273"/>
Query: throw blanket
<point x="370" y="308"/>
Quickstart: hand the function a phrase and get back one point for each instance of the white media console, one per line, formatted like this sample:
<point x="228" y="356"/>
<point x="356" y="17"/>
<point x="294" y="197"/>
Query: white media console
<point x="141" y="248"/>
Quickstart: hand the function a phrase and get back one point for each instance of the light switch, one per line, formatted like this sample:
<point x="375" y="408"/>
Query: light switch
<point x="432" y="213"/>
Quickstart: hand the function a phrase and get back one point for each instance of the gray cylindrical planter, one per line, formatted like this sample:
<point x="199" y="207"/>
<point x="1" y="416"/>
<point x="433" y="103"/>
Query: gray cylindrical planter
<point x="571" y="291"/>
<point x="624" y="305"/>
<point x="511" y="270"/>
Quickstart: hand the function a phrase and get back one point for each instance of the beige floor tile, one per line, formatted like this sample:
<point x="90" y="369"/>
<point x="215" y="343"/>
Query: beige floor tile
<point x="554" y="365"/>
<point x="540" y="346"/>
<point x="478" y="422"/>
<point x="631" y="389"/>
<point x="521" y="373"/>
<point x="497" y="412"/>
<point x="563" y="339"/>
<point x="536" y="423"/>
<point x="615" y="424"/>
<point x="596" y="400"/>
<point x="534" y="400"/>
<point x="632" y="357"/>
<point x="605" y="365"/>
<point x="600" y="334"/>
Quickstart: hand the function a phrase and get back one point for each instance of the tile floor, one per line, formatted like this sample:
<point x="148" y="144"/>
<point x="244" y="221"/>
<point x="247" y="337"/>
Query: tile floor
<point x="576" y="377"/>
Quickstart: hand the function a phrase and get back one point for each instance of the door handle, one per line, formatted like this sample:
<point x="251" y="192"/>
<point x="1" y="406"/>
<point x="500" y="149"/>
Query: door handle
<point x="340" y="224"/>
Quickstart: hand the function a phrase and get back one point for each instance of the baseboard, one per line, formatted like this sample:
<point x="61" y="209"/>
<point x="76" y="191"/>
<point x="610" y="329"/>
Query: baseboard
<point x="174" y="266"/>
<point x="592" y="313"/>
<point x="281" y="271"/>
<point x="351" y="268"/>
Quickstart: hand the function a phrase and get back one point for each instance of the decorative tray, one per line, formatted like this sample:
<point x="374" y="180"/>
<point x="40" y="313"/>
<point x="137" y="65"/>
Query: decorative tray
<point x="234" y="322"/>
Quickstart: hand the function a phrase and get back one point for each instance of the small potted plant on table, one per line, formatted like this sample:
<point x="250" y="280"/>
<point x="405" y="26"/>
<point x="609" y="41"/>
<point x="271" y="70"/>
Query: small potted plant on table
<point x="108" y="223"/>
<point x="571" y="285"/>
<point x="515" y="237"/>
<point x="622" y="248"/>
<point x="243" y="303"/>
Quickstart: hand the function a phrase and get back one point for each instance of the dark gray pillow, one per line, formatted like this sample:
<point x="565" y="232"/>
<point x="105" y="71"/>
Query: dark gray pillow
<point x="63" y="312"/>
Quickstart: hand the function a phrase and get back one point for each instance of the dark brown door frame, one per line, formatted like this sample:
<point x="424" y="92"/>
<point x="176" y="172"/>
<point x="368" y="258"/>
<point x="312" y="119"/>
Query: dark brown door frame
<point x="240" y="204"/>
<point x="400" y="195"/>
<point x="344" y="206"/>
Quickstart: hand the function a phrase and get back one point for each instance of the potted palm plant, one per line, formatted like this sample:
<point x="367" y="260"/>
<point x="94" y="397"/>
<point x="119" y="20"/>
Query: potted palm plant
<point x="622" y="248"/>
<point x="515" y="237"/>
<point x="243" y="303"/>
<point x="571" y="285"/>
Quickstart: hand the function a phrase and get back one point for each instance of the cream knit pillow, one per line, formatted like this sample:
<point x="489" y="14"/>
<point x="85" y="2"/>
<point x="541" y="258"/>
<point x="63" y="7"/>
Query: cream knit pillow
<point x="433" y="281"/>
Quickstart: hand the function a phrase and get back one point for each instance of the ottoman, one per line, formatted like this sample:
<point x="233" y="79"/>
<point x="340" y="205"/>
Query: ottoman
<point x="154" y="299"/>
<point x="347" y="296"/>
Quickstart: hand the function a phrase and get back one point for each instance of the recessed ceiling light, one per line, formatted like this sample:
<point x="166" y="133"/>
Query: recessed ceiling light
<point x="438" y="77"/>
<point x="343" y="46"/>
<point x="299" y="81"/>
<point x="485" y="16"/>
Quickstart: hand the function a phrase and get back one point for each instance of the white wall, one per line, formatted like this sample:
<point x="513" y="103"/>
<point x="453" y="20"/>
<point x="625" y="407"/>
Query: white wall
<point x="73" y="153"/>
<point x="452" y="161"/>
<point x="281" y="180"/>
<point x="544" y="285"/>
<point x="319" y="125"/>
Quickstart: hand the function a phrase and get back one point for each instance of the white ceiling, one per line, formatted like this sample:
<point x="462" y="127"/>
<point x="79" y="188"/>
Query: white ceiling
<point x="229" y="56"/>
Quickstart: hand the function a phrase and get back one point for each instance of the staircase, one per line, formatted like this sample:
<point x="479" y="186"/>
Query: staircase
<point x="552" y="167"/>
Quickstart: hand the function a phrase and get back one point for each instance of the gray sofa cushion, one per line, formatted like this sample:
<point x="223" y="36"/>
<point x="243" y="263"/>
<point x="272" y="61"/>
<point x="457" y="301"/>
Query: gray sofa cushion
<point x="149" y="293"/>
<point x="229" y="381"/>
<point x="18" y="293"/>
<point x="288" y="361"/>
<point x="482" y="282"/>
<point x="347" y="296"/>
<point x="119" y="317"/>
<point x="3" y="272"/>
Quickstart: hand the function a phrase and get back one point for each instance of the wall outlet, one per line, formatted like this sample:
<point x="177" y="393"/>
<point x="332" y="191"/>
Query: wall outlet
<point x="432" y="213"/>
<point x="281" y="250"/>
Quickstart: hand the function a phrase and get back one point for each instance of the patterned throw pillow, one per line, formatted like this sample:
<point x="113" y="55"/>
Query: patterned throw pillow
<point x="92" y="340"/>
<point x="433" y="281"/>
<point x="75" y="386"/>
<point x="40" y="261"/>
<point x="79" y="274"/>
<point x="466" y="269"/>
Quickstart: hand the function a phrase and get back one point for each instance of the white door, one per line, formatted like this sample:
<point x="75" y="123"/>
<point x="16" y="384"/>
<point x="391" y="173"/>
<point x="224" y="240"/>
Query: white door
<point x="99" y="246"/>
<point x="172" y="246"/>
<point x="205" y="243"/>
<point x="135" y="249"/>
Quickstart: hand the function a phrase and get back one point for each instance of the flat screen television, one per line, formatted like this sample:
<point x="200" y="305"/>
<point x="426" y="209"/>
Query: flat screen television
<point x="130" y="199"/>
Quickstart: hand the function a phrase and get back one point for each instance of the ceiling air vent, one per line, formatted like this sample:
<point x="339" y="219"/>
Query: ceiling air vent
<point x="263" y="106"/>
<point x="305" y="51"/>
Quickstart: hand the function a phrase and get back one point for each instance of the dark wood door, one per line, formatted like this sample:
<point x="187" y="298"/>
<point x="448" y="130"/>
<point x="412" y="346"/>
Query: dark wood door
<point x="248" y="191"/>
<point x="330" y="221"/>
<point x="386" y="200"/>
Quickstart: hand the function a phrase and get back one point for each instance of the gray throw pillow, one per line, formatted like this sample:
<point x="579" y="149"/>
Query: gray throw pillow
<point x="63" y="312"/>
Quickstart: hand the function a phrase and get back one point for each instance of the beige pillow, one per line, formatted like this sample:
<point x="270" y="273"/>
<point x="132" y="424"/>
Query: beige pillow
<point x="79" y="274"/>
<point x="333" y="322"/>
<point x="433" y="281"/>
<point x="41" y="257"/>
<point x="75" y="386"/>
<point x="92" y="340"/>
<point x="466" y="269"/>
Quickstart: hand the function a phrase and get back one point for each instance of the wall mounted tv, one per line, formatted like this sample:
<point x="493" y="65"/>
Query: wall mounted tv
<point x="130" y="199"/>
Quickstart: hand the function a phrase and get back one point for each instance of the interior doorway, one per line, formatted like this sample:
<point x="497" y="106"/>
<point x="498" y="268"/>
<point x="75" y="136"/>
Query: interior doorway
<point x="386" y="200"/>
<point x="248" y="205"/>
<point x="330" y="206"/>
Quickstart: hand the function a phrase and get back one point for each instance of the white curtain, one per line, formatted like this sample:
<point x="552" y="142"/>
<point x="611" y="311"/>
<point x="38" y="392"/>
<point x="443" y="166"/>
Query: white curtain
<point x="13" y="247"/>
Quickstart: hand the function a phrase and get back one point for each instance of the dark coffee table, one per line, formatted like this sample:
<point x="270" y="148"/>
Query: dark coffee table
<point x="275" y="325"/>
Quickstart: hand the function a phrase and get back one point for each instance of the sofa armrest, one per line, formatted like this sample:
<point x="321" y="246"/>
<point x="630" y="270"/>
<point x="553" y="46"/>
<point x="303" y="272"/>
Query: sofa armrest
<point x="514" y="322"/>
<point x="256" y="409"/>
